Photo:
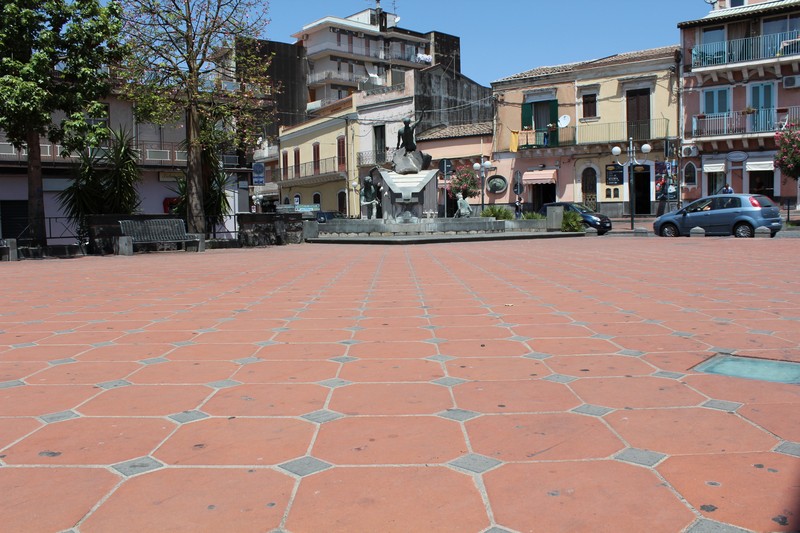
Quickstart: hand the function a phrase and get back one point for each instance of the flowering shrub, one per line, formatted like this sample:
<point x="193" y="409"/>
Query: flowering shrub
<point x="788" y="157"/>
<point x="465" y="181"/>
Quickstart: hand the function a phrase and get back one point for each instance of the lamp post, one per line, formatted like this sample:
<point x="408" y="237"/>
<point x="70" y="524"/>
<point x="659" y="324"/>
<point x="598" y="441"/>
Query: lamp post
<point x="616" y="151"/>
<point x="482" y="168"/>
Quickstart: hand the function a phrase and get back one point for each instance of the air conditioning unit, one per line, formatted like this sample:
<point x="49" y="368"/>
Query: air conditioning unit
<point x="791" y="82"/>
<point x="689" y="150"/>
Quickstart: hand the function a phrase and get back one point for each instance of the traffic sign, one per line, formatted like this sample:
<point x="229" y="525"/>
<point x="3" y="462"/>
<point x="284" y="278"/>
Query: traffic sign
<point x="446" y="167"/>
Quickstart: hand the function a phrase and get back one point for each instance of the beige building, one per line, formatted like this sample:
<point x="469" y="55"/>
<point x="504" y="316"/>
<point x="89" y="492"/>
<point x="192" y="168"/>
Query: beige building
<point x="556" y="127"/>
<point x="317" y="161"/>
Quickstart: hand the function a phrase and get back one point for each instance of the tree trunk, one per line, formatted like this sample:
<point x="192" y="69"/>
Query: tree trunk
<point x="36" y="223"/>
<point x="194" y="174"/>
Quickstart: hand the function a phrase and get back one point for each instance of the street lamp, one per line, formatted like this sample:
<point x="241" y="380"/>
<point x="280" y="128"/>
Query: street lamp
<point x="616" y="151"/>
<point x="482" y="169"/>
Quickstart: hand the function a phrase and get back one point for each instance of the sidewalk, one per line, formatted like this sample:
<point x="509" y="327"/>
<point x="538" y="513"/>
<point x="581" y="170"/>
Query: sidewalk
<point x="498" y="386"/>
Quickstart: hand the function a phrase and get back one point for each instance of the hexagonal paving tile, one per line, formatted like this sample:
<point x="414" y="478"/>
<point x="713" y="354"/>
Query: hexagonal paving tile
<point x="387" y="499"/>
<point x="582" y="495"/>
<point x="755" y="491"/>
<point x="195" y="499"/>
<point x="640" y="391"/>
<point x="389" y="440"/>
<point x="528" y="396"/>
<point x="267" y="400"/>
<point x="390" y="399"/>
<point x="496" y="368"/>
<point x="90" y="441"/>
<point x="541" y="437"/>
<point x="688" y="431"/>
<point x="237" y="441"/>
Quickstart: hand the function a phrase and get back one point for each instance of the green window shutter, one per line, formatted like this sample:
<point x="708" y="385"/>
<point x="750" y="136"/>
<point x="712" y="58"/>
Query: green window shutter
<point x="527" y="116"/>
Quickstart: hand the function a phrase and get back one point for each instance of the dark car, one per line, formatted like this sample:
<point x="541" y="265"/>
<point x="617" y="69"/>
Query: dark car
<point x="324" y="216"/>
<point x="722" y="214"/>
<point x="590" y="218"/>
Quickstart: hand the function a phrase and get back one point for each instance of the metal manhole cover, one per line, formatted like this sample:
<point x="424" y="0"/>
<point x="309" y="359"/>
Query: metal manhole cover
<point x="750" y="368"/>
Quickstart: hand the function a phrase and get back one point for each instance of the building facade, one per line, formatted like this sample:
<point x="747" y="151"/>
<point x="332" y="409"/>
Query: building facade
<point x="740" y="86"/>
<point x="556" y="127"/>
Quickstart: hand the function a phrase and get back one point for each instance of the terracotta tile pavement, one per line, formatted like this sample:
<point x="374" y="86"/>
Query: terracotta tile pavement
<point x="486" y="387"/>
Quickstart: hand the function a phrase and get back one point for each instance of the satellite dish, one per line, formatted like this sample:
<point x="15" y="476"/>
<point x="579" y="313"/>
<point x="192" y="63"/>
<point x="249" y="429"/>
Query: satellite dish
<point x="563" y="121"/>
<point x="711" y="2"/>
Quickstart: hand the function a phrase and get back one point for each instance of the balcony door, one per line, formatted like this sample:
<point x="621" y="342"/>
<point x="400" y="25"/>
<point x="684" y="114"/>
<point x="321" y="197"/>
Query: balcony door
<point x="762" y="100"/>
<point x="638" y="113"/>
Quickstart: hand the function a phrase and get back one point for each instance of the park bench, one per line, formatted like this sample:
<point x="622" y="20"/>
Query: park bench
<point x="158" y="232"/>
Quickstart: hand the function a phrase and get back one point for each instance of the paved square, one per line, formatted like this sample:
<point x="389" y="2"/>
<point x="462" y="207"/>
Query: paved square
<point x="534" y="385"/>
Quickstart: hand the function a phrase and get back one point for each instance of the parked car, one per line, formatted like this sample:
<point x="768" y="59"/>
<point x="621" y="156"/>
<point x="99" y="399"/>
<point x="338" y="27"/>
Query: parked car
<point x="722" y="214"/>
<point x="598" y="221"/>
<point x="324" y="216"/>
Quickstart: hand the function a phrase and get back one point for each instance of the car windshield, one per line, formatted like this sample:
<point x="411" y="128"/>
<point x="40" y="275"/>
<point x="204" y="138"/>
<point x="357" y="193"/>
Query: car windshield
<point x="580" y="208"/>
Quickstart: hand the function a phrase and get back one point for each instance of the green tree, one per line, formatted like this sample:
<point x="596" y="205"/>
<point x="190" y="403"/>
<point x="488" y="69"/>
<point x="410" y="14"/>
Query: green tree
<point x="52" y="76"/>
<point x="787" y="157"/>
<point x="195" y="60"/>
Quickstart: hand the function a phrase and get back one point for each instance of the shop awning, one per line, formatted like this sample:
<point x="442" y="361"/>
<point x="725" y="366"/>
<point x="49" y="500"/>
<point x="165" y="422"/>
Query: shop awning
<point x="764" y="164"/>
<point x="539" y="177"/>
<point x="714" y="167"/>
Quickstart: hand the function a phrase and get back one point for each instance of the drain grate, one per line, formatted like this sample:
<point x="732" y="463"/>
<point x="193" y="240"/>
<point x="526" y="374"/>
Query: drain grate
<point x="750" y="368"/>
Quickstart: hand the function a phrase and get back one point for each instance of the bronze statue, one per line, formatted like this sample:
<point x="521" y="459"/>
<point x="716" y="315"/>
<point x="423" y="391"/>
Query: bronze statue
<point x="370" y="197"/>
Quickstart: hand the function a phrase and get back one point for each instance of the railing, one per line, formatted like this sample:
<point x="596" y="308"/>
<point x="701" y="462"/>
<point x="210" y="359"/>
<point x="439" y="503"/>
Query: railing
<point x="598" y="133"/>
<point x="739" y="122"/>
<point x="357" y="49"/>
<point x="375" y="157"/>
<point x="332" y="75"/>
<point x="748" y="49"/>
<point x="150" y="153"/>
<point x="330" y="165"/>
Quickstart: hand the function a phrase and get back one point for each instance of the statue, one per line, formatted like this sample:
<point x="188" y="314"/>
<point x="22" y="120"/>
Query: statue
<point x="407" y="160"/>
<point x="370" y="197"/>
<point x="405" y="136"/>
<point x="464" y="210"/>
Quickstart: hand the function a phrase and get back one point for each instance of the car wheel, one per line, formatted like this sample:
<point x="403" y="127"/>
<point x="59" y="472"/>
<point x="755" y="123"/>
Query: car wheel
<point x="743" y="230"/>
<point x="669" y="230"/>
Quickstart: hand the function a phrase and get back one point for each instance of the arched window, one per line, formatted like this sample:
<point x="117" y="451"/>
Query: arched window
<point x="286" y="200"/>
<point x="317" y="199"/>
<point x="342" y="201"/>
<point x="297" y="199"/>
<point x="690" y="174"/>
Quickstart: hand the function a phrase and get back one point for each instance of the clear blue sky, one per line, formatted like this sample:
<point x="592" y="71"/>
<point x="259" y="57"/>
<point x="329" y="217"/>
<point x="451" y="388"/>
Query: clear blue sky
<point x="501" y="38"/>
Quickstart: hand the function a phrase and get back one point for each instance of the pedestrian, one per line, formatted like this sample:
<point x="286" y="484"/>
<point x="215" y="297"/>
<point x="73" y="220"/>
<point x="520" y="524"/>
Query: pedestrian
<point x="727" y="189"/>
<point x="518" y="208"/>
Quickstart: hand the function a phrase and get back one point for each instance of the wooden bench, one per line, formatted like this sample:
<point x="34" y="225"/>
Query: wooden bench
<point x="158" y="231"/>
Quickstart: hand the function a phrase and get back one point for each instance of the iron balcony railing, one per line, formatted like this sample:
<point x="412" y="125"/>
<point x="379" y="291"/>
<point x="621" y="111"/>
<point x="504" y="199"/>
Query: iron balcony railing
<point x="330" y="165"/>
<point x="595" y="133"/>
<point x="744" y="50"/>
<point x="375" y="157"/>
<point x="741" y="122"/>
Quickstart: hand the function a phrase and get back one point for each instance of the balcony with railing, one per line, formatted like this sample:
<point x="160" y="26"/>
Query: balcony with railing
<point x="723" y="53"/>
<point x="322" y="167"/>
<point x="748" y="121"/>
<point x="375" y="157"/>
<point x="150" y="153"/>
<point x="594" y="133"/>
<point x="321" y="78"/>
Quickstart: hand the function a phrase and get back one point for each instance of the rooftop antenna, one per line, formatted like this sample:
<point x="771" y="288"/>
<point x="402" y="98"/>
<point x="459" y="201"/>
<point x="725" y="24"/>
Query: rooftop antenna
<point x="711" y="2"/>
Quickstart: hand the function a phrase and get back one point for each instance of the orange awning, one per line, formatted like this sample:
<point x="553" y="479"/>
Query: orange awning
<point x="539" y="177"/>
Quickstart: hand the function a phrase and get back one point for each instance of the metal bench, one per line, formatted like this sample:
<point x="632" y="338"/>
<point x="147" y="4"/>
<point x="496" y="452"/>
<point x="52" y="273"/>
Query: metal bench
<point x="158" y="231"/>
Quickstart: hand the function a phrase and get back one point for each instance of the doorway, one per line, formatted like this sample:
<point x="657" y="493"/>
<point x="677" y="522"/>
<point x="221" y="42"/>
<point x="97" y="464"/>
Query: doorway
<point x="641" y="182"/>
<point x="542" y="193"/>
<point x="589" y="188"/>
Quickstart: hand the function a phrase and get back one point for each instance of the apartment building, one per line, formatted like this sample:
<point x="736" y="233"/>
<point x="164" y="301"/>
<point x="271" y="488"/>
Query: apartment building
<point x="556" y="127"/>
<point x="741" y="85"/>
<point x="368" y="49"/>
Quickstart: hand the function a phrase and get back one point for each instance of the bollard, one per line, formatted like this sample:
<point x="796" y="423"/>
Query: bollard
<point x="697" y="231"/>
<point x="763" y="232"/>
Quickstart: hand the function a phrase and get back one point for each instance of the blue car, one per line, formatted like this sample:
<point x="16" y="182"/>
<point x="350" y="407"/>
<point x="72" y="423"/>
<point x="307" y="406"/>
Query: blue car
<point x="722" y="214"/>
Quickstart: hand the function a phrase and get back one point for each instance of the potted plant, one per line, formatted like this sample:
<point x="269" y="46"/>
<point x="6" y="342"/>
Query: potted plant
<point x="749" y="110"/>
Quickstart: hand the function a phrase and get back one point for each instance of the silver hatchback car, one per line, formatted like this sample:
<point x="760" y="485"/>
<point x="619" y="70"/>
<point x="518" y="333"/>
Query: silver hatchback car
<point x="722" y="214"/>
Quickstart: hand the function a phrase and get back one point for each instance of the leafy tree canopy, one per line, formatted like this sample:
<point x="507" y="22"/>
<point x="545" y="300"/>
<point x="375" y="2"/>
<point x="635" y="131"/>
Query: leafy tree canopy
<point x="788" y="156"/>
